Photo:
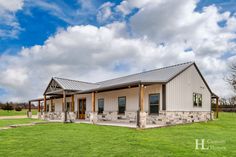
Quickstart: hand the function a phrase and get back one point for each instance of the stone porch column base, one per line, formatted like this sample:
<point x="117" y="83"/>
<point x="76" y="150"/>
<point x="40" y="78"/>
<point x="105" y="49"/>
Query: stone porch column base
<point x="39" y="115"/>
<point x="93" y="117"/>
<point x="62" y="116"/>
<point x="143" y="119"/>
<point x="29" y="114"/>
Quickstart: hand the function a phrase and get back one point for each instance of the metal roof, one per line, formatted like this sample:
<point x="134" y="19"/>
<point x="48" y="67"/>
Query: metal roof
<point x="161" y="75"/>
<point x="74" y="85"/>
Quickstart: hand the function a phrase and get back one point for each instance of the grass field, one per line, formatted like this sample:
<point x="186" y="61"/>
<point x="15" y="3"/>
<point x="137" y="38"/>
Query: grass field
<point x="16" y="113"/>
<point x="57" y="139"/>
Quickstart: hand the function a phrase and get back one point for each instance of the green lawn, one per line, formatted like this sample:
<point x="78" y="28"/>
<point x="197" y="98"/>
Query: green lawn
<point x="7" y="122"/>
<point x="57" y="139"/>
<point x="16" y="113"/>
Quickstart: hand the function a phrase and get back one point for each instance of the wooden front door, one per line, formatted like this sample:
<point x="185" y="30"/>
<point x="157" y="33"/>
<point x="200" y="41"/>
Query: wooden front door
<point x="82" y="108"/>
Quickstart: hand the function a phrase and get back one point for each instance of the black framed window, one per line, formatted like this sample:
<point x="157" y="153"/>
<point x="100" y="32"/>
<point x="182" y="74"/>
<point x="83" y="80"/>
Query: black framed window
<point x="197" y="100"/>
<point x="154" y="102"/>
<point x="121" y="104"/>
<point x="100" y="106"/>
<point x="68" y="106"/>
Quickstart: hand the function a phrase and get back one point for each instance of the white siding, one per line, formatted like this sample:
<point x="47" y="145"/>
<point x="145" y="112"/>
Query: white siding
<point x="111" y="99"/>
<point x="58" y="105"/>
<point x="179" y="92"/>
<point x="132" y="98"/>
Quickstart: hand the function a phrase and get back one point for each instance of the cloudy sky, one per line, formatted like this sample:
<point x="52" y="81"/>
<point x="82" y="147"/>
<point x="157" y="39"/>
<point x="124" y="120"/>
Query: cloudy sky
<point x="93" y="40"/>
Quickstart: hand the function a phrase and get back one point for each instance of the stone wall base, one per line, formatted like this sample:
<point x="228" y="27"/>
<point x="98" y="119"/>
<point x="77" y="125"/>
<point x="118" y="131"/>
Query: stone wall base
<point x="58" y="116"/>
<point x="176" y="117"/>
<point x="127" y="117"/>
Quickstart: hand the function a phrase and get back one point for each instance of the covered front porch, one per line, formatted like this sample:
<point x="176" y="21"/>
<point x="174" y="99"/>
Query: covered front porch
<point x="70" y="105"/>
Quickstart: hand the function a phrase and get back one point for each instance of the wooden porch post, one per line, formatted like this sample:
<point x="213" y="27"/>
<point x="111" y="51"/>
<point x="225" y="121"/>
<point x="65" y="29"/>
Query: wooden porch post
<point x="64" y="107"/>
<point x="29" y="106"/>
<point x="72" y="103"/>
<point x="45" y="103"/>
<point x="51" y="104"/>
<point x="141" y="95"/>
<point x="39" y="107"/>
<point x="93" y="101"/>
<point x="217" y="107"/>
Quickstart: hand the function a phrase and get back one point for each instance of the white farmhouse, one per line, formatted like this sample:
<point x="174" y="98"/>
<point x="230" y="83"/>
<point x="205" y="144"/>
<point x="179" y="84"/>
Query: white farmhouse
<point x="171" y="95"/>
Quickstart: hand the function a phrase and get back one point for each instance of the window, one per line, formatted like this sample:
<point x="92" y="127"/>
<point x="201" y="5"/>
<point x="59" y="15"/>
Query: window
<point x="154" y="102"/>
<point x="68" y="106"/>
<point x="100" y="106"/>
<point x="197" y="100"/>
<point x="121" y="105"/>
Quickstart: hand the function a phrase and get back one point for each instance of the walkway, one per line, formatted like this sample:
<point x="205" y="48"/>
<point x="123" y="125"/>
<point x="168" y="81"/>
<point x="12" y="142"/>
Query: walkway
<point x="17" y="117"/>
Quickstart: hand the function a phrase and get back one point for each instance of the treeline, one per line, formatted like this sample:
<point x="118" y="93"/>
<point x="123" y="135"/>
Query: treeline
<point x="15" y="106"/>
<point x="226" y="105"/>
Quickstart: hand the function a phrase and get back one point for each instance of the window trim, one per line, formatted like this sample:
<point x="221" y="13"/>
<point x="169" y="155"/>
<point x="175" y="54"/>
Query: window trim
<point x="149" y="104"/>
<point x="103" y="105"/>
<point x="194" y="98"/>
<point x="118" y="104"/>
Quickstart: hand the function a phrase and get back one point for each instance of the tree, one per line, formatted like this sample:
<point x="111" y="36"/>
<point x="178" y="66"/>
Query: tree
<point x="232" y="77"/>
<point x="8" y="107"/>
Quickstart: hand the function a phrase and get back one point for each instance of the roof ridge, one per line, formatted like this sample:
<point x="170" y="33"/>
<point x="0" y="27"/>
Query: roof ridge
<point x="148" y="71"/>
<point x="74" y="80"/>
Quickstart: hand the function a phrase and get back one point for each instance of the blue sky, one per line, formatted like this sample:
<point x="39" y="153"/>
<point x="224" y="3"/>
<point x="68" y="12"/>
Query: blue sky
<point x="27" y="23"/>
<point x="38" y="23"/>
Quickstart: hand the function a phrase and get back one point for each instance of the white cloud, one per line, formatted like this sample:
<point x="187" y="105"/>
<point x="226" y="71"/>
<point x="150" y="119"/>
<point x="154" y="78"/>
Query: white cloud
<point x="12" y="5"/>
<point x="105" y="12"/>
<point x="8" y="19"/>
<point x="161" y="33"/>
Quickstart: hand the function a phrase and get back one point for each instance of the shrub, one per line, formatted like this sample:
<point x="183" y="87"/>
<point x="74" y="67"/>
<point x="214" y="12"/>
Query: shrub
<point x="7" y="107"/>
<point x="18" y="108"/>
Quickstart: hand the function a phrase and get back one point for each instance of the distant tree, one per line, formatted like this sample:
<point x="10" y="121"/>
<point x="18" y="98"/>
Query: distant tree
<point x="18" y="108"/>
<point x="8" y="107"/>
<point x="232" y="77"/>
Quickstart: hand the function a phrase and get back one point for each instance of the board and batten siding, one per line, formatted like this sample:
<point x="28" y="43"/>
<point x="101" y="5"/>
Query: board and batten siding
<point x="179" y="92"/>
<point x="111" y="99"/>
<point x="132" y="98"/>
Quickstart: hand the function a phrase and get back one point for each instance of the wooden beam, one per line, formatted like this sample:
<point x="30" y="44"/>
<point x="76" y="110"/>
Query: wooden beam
<point x="64" y="102"/>
<point x="29" y="106"/>
<point x="217" y="107"/>
<point x="72" y="103"/>
<point x="93" y="101"/>
<point x="141" y="97"/>
<point x="51" y="104"/>
<point x="39" y="107"/>
<point x="45" y="103"/>
<point x="163" y="97"/>
<point x="64" y="107"/>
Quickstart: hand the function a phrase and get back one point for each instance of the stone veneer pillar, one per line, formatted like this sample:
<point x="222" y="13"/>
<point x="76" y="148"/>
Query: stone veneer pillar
<point x="39" y="115"/>
<point x="93" y="117"/>
<point x="143" y="119"/>
<point x="29" y="114"/>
